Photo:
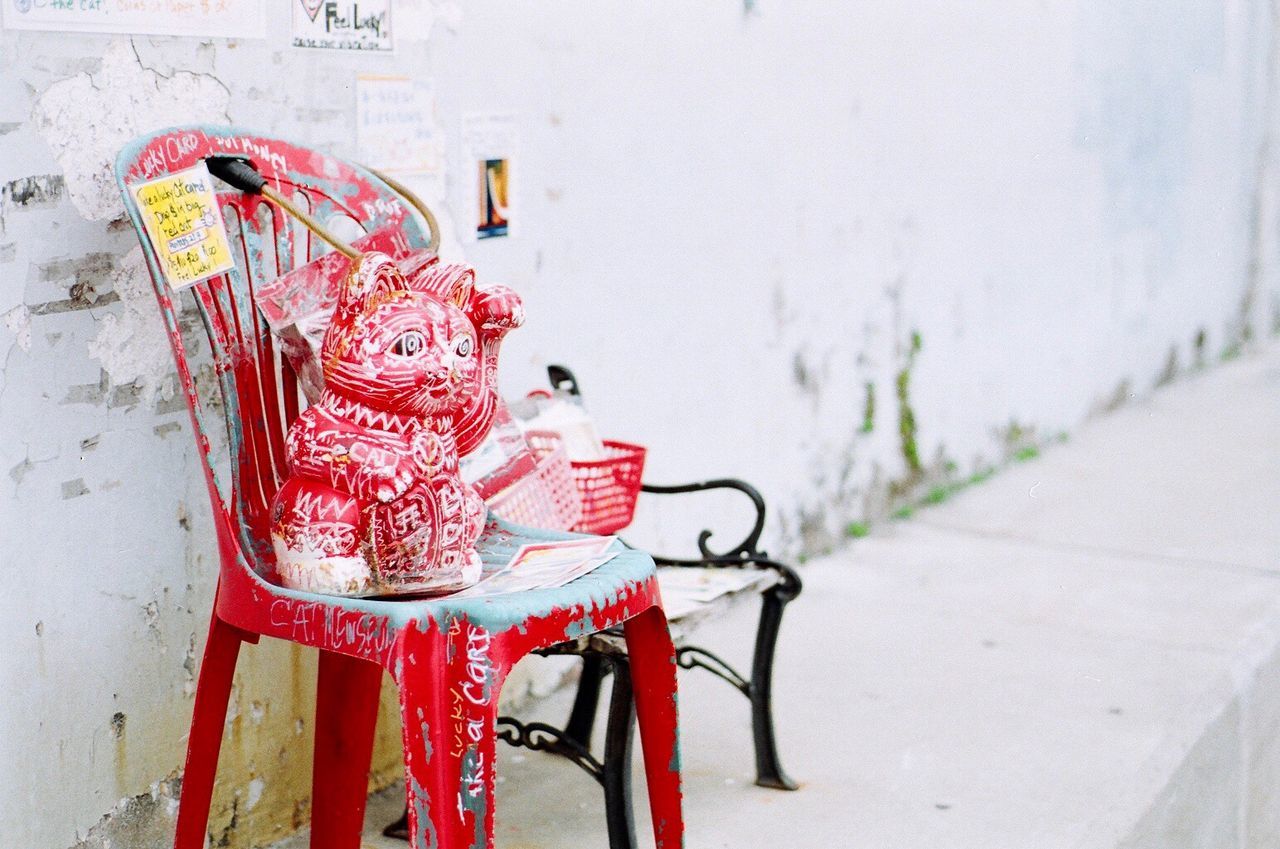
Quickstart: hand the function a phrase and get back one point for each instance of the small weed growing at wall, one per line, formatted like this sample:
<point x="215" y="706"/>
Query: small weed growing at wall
<point x="939" y="494"/>
<point x="980" y="476"/>
<point x="869" y="409"/>
<point x="906" y="415"/>
<point x="856" y="530"/>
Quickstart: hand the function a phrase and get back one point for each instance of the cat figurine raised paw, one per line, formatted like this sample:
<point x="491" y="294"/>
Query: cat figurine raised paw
<point x="374" y="504"/>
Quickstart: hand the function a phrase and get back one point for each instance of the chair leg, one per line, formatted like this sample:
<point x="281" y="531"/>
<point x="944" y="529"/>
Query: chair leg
<point x="213" y="691"/>
<point x="769" y="771"/>
<point x="582" y="718"/>
<point x="616" y="776"/>
<point x="653" y="672"/>
<point x="450" y="721"/>
<point x="346" y="713"/>
<point x="429" y="792"/>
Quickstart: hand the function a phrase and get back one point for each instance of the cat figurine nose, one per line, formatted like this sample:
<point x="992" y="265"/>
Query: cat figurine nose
<point x="437" y="376"/>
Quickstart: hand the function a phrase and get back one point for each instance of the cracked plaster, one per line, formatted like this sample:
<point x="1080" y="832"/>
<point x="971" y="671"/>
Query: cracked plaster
<point x="88" y="118"/>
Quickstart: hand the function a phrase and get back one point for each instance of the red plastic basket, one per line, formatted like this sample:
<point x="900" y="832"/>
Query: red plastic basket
<point x="547" y="498"/>
<point x="609" y="488"/>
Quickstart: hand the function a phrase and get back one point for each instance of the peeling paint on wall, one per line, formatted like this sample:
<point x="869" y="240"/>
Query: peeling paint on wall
<point x="28" y="192"/>
<point x="131" y="344"/>
<point x="87" y="119"/>
<point x="18" y="320"/>
<point x="145" y="820"/>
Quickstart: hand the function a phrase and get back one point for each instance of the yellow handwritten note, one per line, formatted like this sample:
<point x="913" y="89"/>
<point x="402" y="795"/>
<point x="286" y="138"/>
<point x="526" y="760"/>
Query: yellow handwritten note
<point x="184" y="223"/>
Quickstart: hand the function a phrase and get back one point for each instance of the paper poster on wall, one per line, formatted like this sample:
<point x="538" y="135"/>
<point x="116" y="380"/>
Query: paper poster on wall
<point x="395" y="125"/>
<point x="183" y="222"/>
<point x="205" y="19"/>
<point x="342" y="24"/>
<point x="489" y="143"/>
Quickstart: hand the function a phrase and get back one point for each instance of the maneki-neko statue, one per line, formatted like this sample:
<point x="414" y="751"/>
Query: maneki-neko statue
<point x="374" y="504"/>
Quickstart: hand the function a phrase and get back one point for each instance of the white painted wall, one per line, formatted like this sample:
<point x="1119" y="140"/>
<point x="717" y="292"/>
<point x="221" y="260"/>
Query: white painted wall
<point x="729" y="224"/>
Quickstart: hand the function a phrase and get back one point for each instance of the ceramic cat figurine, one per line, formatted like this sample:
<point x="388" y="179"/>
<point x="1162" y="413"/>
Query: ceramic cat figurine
<point x="374" y="504"/>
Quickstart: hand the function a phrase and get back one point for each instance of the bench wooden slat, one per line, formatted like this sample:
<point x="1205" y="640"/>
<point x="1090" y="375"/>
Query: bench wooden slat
<point x="690" y="594"/>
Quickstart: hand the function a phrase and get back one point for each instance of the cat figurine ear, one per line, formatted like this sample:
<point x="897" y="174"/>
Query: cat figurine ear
<point x="453" y="283"/>
<point x="372" y="279"/>
<point x="463" y="288"/>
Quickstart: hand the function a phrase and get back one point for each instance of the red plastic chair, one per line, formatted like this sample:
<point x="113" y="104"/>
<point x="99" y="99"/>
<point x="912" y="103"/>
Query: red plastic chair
<point x="448" y="658"/>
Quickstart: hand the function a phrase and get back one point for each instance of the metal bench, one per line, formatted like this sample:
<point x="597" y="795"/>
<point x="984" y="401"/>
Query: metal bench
<point x="725" y="580"/>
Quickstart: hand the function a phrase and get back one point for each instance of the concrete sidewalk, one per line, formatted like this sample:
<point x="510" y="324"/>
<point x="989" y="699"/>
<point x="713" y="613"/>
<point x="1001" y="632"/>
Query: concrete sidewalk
<point x="1082" y="652"/>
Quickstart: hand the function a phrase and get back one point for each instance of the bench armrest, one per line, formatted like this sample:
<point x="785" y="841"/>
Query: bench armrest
<point x="749" y="546"/>
<point x="745" y="554"/>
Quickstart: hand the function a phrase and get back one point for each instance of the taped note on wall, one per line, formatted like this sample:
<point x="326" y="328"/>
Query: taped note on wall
<point x="342" y="24"/>
<point x="210" y="18"/>
<point x="184" y="224"/>
<point x="395" y="127"/>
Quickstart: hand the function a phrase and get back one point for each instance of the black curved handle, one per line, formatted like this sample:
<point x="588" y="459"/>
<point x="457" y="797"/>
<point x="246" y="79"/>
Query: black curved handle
<point x="562" y="378"/>
<point x="749" y="546"/>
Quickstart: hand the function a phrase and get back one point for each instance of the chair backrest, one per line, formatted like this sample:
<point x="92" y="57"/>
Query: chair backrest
<point x="259" y="395"/>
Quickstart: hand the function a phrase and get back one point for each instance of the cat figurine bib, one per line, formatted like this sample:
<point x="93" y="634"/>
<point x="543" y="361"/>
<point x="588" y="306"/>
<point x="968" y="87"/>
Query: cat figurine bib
<point x="374" y="504"/>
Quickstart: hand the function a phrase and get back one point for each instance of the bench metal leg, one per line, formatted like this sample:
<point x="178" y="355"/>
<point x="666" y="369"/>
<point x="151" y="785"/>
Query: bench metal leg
<point x="616" y="772"/>
<point x="582" y="718"/>
<point x="398" y="830"/>
<point x="769" y="771"/>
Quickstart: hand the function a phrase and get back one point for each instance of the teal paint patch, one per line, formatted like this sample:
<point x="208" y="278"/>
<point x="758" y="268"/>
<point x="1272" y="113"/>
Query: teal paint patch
<point x="473" y="794"/>
<point x="581" y="627"/>
<point x="425" y="831"/>
<point x="426" y="735"/>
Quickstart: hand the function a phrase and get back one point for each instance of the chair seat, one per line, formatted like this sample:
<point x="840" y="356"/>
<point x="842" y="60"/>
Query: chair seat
<point x="367" y="627"/>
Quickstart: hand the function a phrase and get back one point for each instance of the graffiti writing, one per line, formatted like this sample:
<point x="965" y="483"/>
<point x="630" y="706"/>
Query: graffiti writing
<point x="470" y="714"/>
<point x="335" y="628"/>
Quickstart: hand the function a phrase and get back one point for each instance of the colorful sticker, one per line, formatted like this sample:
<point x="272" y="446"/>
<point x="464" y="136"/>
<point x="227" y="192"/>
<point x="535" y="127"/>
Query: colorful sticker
<point x="490" y="140"/>
<point x="184" y="223"/>
<point x="342" y="24"/>
<point x="494" y="200"/>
